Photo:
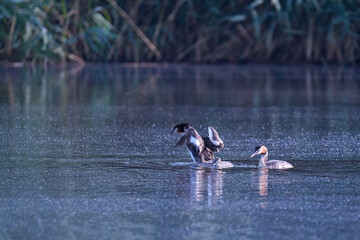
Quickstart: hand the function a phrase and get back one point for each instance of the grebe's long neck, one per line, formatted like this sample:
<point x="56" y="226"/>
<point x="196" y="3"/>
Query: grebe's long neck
<point x="263" y="159"/>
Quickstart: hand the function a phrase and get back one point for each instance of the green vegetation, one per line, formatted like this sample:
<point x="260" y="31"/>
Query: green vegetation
<point x="180" y="31"/>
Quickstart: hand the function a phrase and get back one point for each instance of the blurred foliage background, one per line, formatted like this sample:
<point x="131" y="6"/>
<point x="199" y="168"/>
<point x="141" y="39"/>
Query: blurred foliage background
<point x="204" y="31"/>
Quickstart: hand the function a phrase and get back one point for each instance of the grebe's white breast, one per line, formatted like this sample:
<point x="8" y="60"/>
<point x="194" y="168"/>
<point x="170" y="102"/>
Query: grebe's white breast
<point x="277" y="164"/>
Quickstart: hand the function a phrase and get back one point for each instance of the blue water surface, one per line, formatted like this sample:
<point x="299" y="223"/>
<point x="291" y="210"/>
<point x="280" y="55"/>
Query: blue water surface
<point x="85" y="152"/>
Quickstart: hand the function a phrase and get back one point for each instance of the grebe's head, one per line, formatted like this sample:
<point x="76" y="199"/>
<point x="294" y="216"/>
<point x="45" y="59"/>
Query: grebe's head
<point x="261" y="149"/>
<point x="180" y="128"/>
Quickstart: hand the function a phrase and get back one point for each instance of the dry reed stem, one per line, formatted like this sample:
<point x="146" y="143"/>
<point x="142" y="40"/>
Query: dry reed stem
<point x="76" y="59"/>
<point x="12" y="28"/>
<point x="137" y="30"/>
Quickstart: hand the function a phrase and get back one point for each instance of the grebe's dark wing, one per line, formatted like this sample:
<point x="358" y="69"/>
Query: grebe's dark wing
<point x="209" y="145"/>
<point x="191" y="137"/>
<point x="195" y="144"/>
<point x="214" y="137"/>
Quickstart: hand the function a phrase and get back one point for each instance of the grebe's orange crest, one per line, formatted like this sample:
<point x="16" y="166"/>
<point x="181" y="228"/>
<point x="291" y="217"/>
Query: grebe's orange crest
<point x="263" y="150"/>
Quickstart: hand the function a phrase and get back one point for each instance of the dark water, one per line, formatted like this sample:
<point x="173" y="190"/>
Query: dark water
<point x="85" y="152"/>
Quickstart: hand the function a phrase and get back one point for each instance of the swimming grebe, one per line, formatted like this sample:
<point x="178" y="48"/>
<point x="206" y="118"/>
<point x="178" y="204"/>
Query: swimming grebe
<point x="272" y="164"/>
<point x="200" y="148"/>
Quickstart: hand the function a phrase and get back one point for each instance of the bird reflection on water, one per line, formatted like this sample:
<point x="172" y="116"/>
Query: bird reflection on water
<point x="206" y="184"/>
<point x="263" y="187"/>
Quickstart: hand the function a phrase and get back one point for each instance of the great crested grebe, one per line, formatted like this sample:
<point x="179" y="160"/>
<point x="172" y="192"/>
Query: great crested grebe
<point x="272" y="164"/>
<point x="200" y="148"/>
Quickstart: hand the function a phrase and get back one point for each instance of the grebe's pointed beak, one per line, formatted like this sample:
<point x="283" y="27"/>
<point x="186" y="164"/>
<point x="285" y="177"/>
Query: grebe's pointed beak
<point x="254" y="154"/>
<point x="173" y="131"/>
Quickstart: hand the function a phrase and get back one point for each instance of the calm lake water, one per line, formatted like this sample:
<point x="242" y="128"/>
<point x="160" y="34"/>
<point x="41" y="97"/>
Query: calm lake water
<point x="85" y="152"/>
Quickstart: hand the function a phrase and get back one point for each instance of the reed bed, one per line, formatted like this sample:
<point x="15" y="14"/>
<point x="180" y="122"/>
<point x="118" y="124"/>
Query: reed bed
<point x="206" y="31"/>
